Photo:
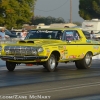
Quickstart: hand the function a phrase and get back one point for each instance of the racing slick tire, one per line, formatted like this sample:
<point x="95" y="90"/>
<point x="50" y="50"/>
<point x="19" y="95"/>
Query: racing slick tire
<point x="44" y="65"/>
<point x="84" y="63"/>
<point x="10" y="66"/>
<point x="51" y="63"/>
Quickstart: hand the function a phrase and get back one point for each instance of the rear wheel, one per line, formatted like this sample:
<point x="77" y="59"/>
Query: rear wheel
<point x="85" y="63"/>
<point x="10" y="65"/>
<point x="51" y="63"/>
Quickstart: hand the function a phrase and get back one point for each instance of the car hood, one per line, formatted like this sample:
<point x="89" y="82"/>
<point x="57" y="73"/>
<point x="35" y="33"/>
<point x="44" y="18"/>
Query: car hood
<point x="36" y="42"/>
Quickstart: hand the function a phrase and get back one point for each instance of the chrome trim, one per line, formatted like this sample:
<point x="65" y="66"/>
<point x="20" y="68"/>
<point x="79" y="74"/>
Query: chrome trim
<point x="20" y="50"/>
<point x="23" y="58"/>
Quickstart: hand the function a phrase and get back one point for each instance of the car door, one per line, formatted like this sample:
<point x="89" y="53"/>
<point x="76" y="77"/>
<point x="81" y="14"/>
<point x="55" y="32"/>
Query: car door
<point x="81" y="46"/>
<point x="71" y="44"/>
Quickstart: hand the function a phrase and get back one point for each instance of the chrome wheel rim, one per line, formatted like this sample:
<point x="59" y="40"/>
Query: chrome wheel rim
<point x="52" y="63"/>
<point x="87" y="59"/>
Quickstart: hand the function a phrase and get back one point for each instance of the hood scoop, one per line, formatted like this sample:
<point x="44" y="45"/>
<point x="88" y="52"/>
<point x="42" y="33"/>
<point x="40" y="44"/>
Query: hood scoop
<point x="22" y="41"/>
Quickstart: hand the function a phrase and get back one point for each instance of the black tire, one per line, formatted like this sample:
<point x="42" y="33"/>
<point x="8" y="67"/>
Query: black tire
<point x="44" y="65"/>
<point x="10" y="66"/>
<point x="85" y="63"/>
<point x="78" y="65"/>
<point x="51" y="63"/>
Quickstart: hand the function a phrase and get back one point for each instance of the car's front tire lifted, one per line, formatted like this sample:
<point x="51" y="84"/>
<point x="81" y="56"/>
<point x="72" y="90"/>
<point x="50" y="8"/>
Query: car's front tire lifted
<point x="10" y="66"/>
<point x="51" y="63"/>
<point x="84" y="63"/>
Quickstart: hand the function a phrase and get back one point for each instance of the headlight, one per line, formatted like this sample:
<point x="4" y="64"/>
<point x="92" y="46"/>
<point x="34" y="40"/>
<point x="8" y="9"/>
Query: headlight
<point x="34" y="52"/>
<point x="40" y="49"/>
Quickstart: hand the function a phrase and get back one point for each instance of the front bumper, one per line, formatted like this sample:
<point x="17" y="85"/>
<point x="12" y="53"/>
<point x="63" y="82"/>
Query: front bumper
<point x="23" y="58"/>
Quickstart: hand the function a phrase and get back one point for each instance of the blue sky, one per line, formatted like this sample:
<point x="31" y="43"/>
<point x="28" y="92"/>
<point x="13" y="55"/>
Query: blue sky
<point x="58" y="8"/>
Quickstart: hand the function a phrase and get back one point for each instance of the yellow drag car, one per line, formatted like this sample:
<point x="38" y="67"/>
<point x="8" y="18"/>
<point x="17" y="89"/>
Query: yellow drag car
<point x="48" y="47"/>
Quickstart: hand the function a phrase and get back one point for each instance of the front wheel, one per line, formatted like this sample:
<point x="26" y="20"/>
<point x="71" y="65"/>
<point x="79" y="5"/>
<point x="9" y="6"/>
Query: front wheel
<point x="85" y="63"/>
<point x="10" y="66"/>
<point x="51" y="63"/>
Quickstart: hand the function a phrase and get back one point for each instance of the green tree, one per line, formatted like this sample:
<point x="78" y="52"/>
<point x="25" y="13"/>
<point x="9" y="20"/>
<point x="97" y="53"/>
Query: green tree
<point x="89" y="9"/>
<point x="14" y="13"/>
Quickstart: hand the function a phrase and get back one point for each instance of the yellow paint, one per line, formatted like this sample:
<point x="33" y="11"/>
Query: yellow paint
<point x="74" y="50"/>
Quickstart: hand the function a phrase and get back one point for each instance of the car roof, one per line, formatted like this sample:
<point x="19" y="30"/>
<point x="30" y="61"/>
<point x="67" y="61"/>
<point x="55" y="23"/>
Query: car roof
<point x="58" y="29"/>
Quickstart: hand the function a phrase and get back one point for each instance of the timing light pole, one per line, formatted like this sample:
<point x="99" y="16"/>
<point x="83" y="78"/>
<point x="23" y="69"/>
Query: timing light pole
<point x="70" y="11"/>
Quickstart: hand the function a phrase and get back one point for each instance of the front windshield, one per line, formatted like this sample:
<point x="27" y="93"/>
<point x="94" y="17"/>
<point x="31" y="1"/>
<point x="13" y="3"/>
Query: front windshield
<point x="44" y="34"/>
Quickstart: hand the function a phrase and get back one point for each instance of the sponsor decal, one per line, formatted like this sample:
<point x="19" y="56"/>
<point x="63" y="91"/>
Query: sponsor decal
<point x="48" y="50"/>
<point x="64" y="47"/>
<point x="60" y="47"/>
<point x="64" y="54"/>
<point x="72" y="56"/>
<point x="62" y="51"/>
<point x="82" y="55"/>
<point x="96" y="47"/>
<point x="88" y="41"/>
<point x="67" y="57"/>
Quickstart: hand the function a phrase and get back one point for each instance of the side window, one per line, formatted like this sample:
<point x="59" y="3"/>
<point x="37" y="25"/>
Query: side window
<point x="69" y="36"/>
<point x="87" y="34"/>
<point x="76" y="35"/>
<point x="72" y="35"/>
<point x="59" y="35"/>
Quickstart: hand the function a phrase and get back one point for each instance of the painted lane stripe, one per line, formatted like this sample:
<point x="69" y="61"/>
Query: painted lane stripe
<point x="57" y="89"/>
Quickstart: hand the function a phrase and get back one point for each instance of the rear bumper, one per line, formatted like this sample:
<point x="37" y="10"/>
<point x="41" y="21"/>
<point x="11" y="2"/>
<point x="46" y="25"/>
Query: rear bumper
<point x="23" y="58"/>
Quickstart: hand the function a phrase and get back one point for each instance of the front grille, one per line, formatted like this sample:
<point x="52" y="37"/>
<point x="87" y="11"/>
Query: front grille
<point x="20" y="50"/>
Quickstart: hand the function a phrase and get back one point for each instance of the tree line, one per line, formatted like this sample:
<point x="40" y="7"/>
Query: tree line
<point x="15" y="13"/>
<point x="46" y="20"/>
